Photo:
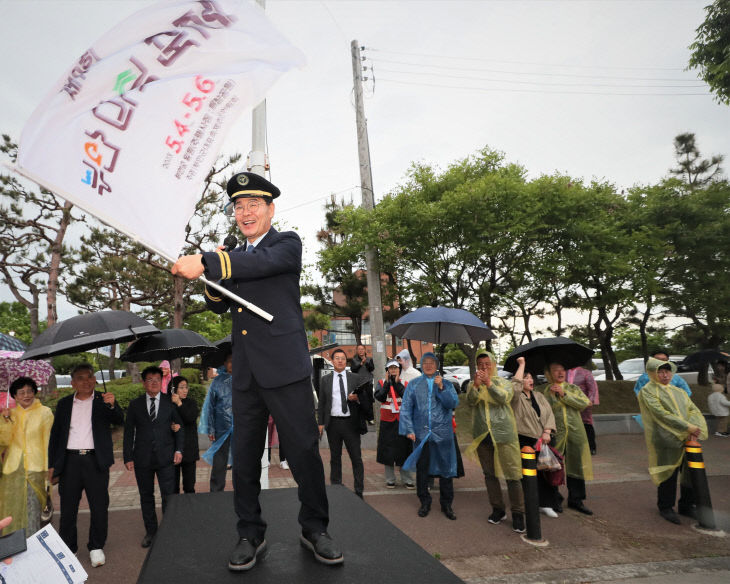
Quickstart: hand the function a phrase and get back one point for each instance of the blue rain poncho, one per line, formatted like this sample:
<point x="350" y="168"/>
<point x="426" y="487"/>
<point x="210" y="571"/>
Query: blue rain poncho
<point x="217" y="415"/>
<point x="492" y="414"/>
<point x="667" y="412"/>
<point x="427" y="413"/>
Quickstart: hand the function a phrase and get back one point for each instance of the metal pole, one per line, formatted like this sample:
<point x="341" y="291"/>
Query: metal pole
<point x="257" y="165"/>
<point x="375" y="304"/>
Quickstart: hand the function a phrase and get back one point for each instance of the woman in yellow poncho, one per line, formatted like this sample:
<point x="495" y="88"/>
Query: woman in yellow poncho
<point x="669" y="418"/>
<point x="568" y="401"/>
<point x="495" y="439"/>
<point x="24" y="434"/>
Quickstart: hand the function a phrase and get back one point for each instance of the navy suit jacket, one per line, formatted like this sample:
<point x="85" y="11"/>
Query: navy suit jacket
<point x="143" y="436"/>
<point x="275" y="353"/>
<point x="102" y="417"/>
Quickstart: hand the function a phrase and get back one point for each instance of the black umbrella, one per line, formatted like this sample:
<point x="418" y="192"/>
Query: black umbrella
<point x="442" y="325"/>
<point x="695" y="361"/>
<point x="541" y="352"/>
<point x="89" y="331"/>
<point x="8" y="343"/>
<point x="216" y="357"/>
<point x="169" y="344"/>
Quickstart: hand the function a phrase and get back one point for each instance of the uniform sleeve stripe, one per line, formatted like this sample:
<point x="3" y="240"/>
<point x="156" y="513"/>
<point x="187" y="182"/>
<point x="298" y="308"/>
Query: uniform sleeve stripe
<point x="213" y="298"/>
<point x="228" y="264"/>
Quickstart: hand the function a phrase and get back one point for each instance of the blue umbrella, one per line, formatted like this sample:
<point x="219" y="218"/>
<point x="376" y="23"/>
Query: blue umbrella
<point x="442" y="325"/>
<point x="8" y="343"/>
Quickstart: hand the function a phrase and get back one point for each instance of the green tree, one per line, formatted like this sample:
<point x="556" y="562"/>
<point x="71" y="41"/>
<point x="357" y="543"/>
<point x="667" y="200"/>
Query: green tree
<point x="14" y="316"/>
<point x="710" y="50"/>
<point x="691" y="168"/>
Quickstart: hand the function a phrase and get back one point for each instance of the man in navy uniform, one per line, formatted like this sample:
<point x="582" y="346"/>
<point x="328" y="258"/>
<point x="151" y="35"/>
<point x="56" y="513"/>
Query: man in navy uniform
<point x="265" y="271"/>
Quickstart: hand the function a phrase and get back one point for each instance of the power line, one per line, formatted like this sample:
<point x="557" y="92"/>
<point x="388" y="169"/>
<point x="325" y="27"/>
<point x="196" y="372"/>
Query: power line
<point x="539" y="83"/>
<point x="541" y="74"/>
<point x="481" y="59"/>
<point x="514" y="90"/>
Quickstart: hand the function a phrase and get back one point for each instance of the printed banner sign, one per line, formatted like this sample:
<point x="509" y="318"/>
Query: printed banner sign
<point x="130" y="131"/>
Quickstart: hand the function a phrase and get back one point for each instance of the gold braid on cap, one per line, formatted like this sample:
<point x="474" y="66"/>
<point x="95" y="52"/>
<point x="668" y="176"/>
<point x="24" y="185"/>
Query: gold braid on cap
<point x="254" y="193"/>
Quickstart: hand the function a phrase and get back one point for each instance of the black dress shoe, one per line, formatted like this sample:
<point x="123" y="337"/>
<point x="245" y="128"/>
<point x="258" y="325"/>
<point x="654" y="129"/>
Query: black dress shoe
<point x="558" y="507"/>
<point x="448" y="511"/>
<point x="325" y="550"/>
<point x="690" y="511"/>
<point x="147" y="540"/>
<point x="670" y="516"/>
<point x="579" y="506"/>
<point x="243" y="557"/>
<point x="424" y="509"/>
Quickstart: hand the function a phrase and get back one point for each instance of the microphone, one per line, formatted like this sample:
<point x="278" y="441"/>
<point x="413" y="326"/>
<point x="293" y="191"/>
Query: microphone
<point x="230" y="242"/>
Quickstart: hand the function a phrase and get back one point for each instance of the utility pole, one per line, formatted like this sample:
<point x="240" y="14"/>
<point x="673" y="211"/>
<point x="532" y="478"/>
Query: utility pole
<point x="375" y="304"/>
<point x="257" y="164"/>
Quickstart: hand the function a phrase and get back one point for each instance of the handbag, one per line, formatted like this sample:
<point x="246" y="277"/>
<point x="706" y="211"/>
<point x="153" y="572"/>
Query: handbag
<point x="47" y="511"/>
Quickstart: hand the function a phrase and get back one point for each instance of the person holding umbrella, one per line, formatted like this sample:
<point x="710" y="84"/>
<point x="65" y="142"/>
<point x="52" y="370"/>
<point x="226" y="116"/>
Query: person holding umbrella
<point x="426" y="418"/>
<point x="24" y="432"/>
<point x="495" y="439"/>
<point x="670" y="418"/>
<point x="567" y="402"/>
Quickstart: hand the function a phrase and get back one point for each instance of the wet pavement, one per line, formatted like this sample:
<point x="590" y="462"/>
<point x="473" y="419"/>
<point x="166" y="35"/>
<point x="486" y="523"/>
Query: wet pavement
<point x="624" y="540"/>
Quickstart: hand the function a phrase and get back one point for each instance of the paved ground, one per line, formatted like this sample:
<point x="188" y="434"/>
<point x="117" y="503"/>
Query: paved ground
<point x="625" y="539"/>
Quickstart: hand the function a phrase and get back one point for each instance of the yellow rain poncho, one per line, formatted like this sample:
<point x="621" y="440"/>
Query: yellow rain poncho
<point x="493" y="415"/>
<point x="667" y="411"/>
<point x="25" y="440"/>
<point x="570" y="434"/>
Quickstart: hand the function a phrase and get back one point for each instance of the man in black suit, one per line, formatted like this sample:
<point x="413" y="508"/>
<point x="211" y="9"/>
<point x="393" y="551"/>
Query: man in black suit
<point x="344" y="409"/>
<point x="265" y="271"/>
<point x="151" y="447"/>
<point x="80" y="452"/>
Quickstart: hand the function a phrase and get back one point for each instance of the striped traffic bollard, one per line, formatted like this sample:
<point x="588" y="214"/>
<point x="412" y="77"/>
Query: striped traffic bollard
<point x="698" y="476"/>
<point x="532" y="502"/>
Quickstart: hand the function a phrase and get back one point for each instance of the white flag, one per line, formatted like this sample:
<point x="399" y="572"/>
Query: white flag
<point x="131" y="129"/>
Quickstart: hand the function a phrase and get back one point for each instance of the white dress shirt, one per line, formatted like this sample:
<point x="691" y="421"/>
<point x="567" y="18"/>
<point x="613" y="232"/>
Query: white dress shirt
<point x="336" y="410"/>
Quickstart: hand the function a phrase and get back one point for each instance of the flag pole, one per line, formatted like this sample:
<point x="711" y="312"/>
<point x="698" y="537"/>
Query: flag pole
<point x="110" y="223"/>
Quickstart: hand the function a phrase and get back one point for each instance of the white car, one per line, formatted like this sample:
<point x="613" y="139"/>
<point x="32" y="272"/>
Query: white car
<point x="459" y="376"/>
<point x="631" y="369"/>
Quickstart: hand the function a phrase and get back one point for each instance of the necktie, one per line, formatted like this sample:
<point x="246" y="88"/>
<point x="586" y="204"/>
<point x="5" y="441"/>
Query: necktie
<point x="250" y="247"/>
<point x="343" y="396"/>
<point x="153" y="414"/>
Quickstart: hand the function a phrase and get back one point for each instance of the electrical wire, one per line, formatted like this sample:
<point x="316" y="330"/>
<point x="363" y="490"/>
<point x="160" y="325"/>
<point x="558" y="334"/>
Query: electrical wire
<point x="539" y="83"/>
<point x="543" y="91"/>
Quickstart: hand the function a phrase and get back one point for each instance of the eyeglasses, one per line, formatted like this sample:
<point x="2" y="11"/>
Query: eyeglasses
<point x="250" y="206"/>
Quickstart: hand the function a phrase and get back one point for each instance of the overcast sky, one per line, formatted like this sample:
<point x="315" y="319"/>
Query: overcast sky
<point x="592" y="89"/>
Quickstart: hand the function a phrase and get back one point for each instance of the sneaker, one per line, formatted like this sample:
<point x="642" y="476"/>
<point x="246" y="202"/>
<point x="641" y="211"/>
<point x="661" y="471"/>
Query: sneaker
<point x="410" y="486"/>
<point x="518" y="522"/>
<point x="722" y="434"/>
<point x="284" y="464"/>
<point x="549" y="511"/>
<point x="97" y="558"/>
<point x="497" y="516"/>
<point x="390" y="484"/>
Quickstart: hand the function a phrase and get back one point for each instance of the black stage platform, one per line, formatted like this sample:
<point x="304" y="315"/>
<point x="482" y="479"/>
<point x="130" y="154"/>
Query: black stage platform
<point x="199" y="531"/>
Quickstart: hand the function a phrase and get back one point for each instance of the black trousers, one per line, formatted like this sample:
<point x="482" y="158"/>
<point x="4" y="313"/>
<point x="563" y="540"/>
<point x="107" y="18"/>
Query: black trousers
<point x="667" y="491"/>
<point x="591" y="435"/>
<point x="145" y="476"/>
<point x="186" y="470"/>
<point x="81" y="473"/>
<point x="341" y="430"/>
<point x="446" y="485"/>
<point x="220" y="467"/>
<point x="292" y="407"/>
<point x="547" y="494"/>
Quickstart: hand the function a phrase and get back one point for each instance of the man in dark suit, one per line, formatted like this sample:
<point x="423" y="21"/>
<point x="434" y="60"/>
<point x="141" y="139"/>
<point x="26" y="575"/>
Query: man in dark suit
<point x="265" y="271"/>
<point x="151" y="447"/>
<point x="344" y="409"/>
<point x="80" y="452"/>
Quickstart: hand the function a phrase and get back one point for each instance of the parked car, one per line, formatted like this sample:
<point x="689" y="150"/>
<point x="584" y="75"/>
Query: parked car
<point x="631" y="369"/>
<point x="598" y="367"/>
<point x="65" y="380"/>
<point x="459" y="376"/>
